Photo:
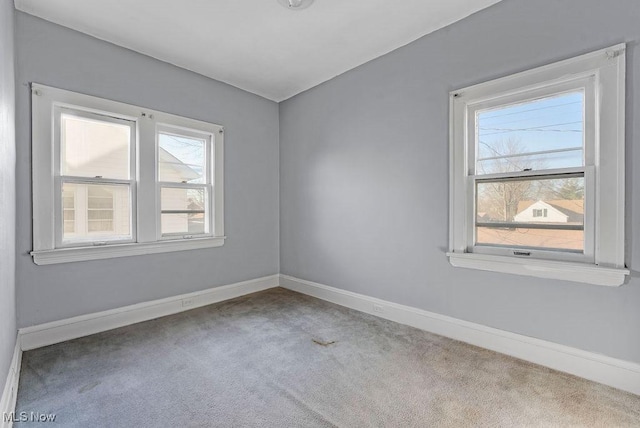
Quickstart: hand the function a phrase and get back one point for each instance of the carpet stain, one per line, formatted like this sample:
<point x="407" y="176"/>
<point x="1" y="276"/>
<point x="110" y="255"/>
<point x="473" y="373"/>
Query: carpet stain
<point x="323" y="342"/>
<point x="88" y="387"/>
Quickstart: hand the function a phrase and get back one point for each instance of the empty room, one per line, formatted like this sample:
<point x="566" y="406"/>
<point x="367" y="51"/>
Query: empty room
<point x="320" y="213"/>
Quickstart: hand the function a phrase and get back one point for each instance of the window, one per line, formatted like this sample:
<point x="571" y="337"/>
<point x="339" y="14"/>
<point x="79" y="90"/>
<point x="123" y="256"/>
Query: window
<point x="184" y="183"/>
<point x="538" y="213"/>
<point x="111" y="179"/>
<point x="537" y="171"/>
<point x="96" y="163"/>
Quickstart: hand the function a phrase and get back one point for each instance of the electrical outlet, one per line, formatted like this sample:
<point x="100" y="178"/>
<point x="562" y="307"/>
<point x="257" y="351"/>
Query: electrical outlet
<point x="187" y="302"/>
<point x="378" y="308"/>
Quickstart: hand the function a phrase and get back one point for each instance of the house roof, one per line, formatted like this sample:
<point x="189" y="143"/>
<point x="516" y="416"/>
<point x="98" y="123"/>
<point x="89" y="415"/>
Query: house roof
<point x="185" y="171"/>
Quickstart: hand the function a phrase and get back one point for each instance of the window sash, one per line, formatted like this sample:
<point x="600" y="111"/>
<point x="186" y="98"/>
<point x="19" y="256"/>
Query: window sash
<point x="589" y="225"/>
<point x="60" y="180"/>
<point x="208" y="213"/>
<point x="583" y="82"/>
<point x="96" y="239"/>
<point x="181" y="132"/>
<point x="114" y="118"/>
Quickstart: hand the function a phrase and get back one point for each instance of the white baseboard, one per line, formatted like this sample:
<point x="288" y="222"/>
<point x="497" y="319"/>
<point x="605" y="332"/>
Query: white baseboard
<point x="10" y="391"/>
<point x="59" y="331"/>
<point x="599" y="368"/>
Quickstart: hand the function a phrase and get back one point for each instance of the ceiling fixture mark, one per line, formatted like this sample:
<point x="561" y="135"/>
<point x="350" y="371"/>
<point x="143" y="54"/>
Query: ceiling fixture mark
<point x="295" y="4"/>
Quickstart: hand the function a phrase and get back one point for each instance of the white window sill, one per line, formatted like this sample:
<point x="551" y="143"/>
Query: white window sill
<point x="568" y="271"/>
<point x="67" y="255"/>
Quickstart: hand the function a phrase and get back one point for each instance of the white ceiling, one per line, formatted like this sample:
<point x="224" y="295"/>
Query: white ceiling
<point x="258" y="45"/>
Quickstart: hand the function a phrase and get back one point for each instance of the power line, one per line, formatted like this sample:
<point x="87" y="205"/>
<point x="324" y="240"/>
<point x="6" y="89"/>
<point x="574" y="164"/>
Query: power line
<point x="536" y="153"/>
<point x="533" y="109"/>
<point x="532" y="129"/>
<point x="537" y="117"/>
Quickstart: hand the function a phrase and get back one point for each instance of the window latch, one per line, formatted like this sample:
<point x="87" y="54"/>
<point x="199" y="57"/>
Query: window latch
<point x="187" y="236"/>
<point x="99" y="244"/>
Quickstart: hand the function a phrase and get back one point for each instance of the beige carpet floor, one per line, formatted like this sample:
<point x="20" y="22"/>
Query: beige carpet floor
<point x="281" y="359"/>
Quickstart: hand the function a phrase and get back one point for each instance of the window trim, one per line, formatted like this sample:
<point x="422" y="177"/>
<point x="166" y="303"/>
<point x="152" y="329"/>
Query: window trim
<point x="607" y="67"/>
<point x="145" y="202"/>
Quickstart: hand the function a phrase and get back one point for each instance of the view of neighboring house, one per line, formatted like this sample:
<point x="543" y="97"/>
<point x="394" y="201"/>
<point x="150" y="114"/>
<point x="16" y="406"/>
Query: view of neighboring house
<point x="560" y="211"/>
<point x="554" y="211"/>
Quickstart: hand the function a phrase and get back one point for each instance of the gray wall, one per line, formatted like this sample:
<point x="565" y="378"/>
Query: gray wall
<point x="53" y="55"/>
<point x="364" y="176"/>
<point x="7" y="192"/>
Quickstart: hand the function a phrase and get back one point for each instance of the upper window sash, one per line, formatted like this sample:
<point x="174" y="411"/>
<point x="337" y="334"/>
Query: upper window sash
<point x="572" y="84"/>
<point x="102" y="118"/>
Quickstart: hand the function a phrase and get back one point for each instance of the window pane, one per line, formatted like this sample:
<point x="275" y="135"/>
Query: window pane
<point x="181" y="159"/>
<point x="532" y="213"/>
<point x="183" y="211"/>
<point x="543" y="134"/>
<point x="183" y="224"/>
<point x="96" y="212"/>
<point x="69" y="212"/>
<point x="92" y="148"/>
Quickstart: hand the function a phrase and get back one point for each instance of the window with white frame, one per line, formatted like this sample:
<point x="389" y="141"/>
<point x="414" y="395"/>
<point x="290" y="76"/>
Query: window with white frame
<point x="537" y="171"/>
<point x="111" y="179"/>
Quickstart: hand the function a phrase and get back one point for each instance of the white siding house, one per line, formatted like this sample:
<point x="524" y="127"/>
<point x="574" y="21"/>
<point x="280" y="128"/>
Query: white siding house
<point x="541" y="212"/>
